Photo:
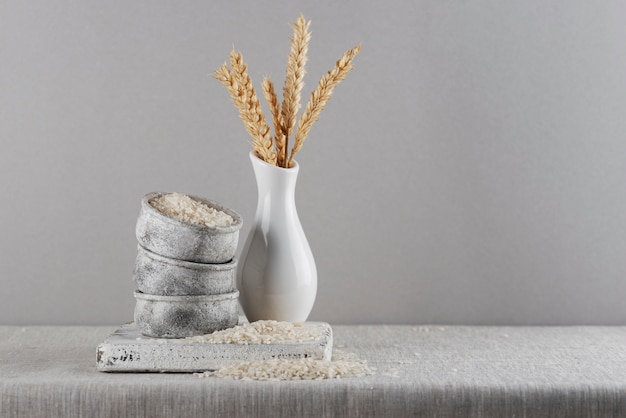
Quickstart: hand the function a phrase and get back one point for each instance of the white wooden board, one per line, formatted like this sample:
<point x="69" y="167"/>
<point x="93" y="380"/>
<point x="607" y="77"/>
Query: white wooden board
<point x="126" y="350"/>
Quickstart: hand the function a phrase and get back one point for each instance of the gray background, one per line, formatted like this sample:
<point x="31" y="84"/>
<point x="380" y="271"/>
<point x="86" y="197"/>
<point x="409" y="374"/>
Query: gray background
<point x="470" y="170"/>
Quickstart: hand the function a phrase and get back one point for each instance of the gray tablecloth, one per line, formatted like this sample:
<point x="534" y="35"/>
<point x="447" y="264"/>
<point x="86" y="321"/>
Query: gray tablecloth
<point x="421" y="371"/>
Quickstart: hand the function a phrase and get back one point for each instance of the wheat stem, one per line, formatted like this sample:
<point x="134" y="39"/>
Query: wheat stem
<point x="224" y="75"/>
<point x="294" y="79"/>
<point x="254" y="117"/>
<point x="272" y="100"/>
<point x="320" y="96"/>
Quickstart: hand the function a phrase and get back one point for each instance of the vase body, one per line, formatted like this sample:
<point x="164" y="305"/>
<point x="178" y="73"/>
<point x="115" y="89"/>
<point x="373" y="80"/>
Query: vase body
<point x="277" y="277"/>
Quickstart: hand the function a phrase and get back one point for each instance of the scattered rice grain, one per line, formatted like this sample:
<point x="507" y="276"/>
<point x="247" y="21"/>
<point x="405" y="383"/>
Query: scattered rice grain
<point x="281" y="369"/>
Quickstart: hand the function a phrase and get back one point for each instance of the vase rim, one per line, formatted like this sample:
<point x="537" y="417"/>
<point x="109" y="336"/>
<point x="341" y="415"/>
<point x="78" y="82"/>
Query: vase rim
<point x="254" y="157"/>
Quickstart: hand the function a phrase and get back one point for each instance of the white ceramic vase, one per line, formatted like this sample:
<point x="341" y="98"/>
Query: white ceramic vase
<point x="277" y="277"/>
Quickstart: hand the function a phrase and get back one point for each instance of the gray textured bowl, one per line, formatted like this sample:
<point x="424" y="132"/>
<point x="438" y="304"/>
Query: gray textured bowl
<point x="172" y="238"/>
<point x="185" y="316"/>
<point x="158" y="275"/>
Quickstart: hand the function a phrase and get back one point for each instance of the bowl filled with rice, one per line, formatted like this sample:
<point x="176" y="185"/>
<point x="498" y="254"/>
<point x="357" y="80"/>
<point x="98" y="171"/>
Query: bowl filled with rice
<point x="188" y="228"/>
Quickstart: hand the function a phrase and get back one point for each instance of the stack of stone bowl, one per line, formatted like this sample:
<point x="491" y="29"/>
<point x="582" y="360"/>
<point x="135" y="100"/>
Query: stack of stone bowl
<point x="185" y="273"/>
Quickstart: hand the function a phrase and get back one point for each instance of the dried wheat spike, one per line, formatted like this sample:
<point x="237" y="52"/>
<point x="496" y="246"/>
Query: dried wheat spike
<point x="294" y="80"/>
<point x="224" y="75"/>
<point x="272" y="100"/>
<point x="320" y="96"/>
<point x="254" y="117"/>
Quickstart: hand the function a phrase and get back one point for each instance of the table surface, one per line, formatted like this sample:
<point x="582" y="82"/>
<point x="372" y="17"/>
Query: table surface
<point x="439" y="371"/>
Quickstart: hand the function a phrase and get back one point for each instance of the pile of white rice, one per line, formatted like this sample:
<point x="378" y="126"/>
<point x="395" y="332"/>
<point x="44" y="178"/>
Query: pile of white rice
<point x="185" y="209"/>
<point x="302" y="369"/>
<point x="262" y="332"/>
<point x="280" y="332"/>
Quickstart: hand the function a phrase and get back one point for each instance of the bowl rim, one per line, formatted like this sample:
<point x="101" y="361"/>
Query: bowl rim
<point x="187" y="299"/>
<point x="192" y="265"/>
<point x="148" y="208"/>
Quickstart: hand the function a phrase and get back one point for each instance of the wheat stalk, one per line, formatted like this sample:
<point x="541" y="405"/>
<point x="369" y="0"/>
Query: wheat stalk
<point x="255" y="115"/>
<point x="320" y="96"/>
<point x="224" y="75"/>
<point x="239" y="85"/>
<point x="294" y="80"/>
<point x="272" y="100"/>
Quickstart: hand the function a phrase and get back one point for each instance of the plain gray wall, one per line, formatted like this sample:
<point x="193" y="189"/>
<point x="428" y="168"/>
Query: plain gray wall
<point x="470" y="170"/>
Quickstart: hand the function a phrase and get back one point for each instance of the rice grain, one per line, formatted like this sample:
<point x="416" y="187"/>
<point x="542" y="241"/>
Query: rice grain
<point x="186" y="209"/>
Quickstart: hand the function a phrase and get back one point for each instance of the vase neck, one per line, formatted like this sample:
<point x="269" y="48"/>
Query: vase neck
<point x="274" y="183"/>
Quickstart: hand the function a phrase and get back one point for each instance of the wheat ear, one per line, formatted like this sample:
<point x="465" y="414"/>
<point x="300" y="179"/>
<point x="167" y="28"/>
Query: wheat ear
<point x="272" y="100"/>
<point x="320" y="96"/>
<point x="225" y="76"/>
<point x="254" y="118"/>
<point x="294" y="80"/>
